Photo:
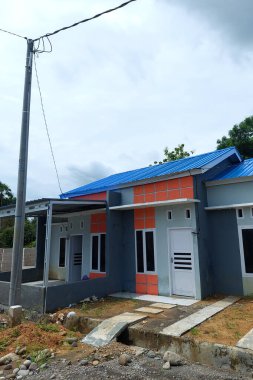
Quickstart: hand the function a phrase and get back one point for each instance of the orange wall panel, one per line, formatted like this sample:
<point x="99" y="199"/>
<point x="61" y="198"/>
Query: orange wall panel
<point x="98" y="223"/>
<point x="187" y="193"/>
<point x="186" y="181"/>
<point x="175" y="188"/>
<point x="152" y="289"/>
<point x="93" y="197"/>
<point x="96" y="275"/>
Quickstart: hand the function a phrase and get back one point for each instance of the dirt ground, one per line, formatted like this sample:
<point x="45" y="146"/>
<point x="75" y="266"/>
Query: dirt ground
<point x="106" y="307"/>
<point x="228" y="326"/>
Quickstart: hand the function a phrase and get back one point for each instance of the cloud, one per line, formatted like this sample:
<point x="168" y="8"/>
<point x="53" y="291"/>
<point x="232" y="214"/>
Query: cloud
<point x="234" y="17"/>
<point x="88" y="173"/>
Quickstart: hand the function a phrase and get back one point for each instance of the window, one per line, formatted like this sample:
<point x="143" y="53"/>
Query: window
<point x="169" y="215"/>
<point x="251" y="212"/>
<point x="82" y="224"/>
<point x="239" y="213"/>
<point x="247" y="239"/>
<point x="188" y="213"/>
<point x="71" y="225"/>
<point x="98" y="252"/>
<point x="62" y="253"/>
<point x="145" y="251"/>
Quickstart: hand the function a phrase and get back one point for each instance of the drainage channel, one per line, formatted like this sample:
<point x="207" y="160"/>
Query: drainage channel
<point x="214" y="355"/>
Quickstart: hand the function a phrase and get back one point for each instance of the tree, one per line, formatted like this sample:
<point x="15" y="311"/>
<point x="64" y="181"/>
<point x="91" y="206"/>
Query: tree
<point x="6" y="195"/>
<point x="175" y="154"/>
<point x="240" y="136"/>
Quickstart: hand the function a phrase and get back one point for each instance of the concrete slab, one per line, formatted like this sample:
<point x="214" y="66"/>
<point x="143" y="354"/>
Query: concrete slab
<point x="149" y="310"/>
<point x="161" y="305"/>
<point x="146" y="297"/>
<point x="186" y="324"/>
<point x="110" y="328"/>
<point x="246" y="341"/>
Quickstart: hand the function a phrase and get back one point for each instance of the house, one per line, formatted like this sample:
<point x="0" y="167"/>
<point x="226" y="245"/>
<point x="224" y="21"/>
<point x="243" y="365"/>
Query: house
<point x="182" y="228"/>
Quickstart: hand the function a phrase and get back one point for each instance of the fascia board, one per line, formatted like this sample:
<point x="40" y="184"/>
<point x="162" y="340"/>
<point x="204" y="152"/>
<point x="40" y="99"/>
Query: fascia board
<point x="228" y="181"/>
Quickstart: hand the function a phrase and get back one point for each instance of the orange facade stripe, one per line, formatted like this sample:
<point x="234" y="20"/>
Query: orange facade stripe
<point x="175" y="188"/>
<point x="93" y="197"/>
<point x="93" y="275"/>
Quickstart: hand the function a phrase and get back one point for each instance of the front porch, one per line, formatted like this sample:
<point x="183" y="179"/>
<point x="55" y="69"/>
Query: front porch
<point x="56" y="281"/>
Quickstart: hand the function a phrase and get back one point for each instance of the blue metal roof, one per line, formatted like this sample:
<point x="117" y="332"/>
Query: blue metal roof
<point x="117" y="180"/>
<point x="243" y="169"/>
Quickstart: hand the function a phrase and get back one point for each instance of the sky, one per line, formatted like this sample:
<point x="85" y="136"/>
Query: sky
<point x="118" y="89"/>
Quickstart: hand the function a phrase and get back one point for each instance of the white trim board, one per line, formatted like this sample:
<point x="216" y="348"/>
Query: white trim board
<point x="226" y="207"/>
<point x="155" y="204"/>
<point x="186" y="324"/>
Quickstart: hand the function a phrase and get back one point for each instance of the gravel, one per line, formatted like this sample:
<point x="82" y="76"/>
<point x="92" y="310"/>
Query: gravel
<point x="140" y="368"/>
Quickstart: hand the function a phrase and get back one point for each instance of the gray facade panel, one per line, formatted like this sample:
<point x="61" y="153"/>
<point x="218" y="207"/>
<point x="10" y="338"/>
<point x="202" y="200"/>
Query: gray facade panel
<point x="64" y="295"/>
<point x="225" y="253"/>
<point x="128" y="263"/>
<point x="235" y="193"/>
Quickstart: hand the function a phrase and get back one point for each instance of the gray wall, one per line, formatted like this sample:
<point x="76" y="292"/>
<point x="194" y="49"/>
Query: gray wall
<point x="225" y="254"/>
<point x="128" y="263"/>
<point x="203" y="228"/>
<point x="235" y="193"/>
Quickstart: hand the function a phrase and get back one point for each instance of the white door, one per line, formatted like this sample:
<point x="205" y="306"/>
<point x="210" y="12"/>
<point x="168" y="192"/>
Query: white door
<point x="181" y="262"/>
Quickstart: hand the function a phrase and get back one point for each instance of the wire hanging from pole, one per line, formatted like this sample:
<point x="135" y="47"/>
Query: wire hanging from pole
<point x="13" y="34"/>
<point x="85" y="20"/>
<point x="46" y="125"/>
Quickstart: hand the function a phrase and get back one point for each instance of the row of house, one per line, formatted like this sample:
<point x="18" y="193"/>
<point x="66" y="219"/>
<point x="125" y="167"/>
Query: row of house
<point x="183" y="228"/>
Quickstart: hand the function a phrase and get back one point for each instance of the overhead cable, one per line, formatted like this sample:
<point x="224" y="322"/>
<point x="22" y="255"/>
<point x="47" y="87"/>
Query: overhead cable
<point x="46" y="125"/>
<point x="85" y="20"/>
<point x="13" y="34"/>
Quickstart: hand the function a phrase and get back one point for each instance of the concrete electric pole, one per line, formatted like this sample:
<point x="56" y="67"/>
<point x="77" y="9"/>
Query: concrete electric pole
<point x="18" y="241"/>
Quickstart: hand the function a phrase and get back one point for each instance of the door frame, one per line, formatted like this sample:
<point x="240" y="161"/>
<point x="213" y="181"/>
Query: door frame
<point x="69" y="254"/>
<point x="169" y="229"/>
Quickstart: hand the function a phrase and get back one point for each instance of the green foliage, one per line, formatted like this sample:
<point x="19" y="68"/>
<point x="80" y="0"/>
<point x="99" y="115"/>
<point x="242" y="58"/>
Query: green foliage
<point x="240" y="136"/>
<point x="6" y="234"/>
<point x="6" y="195"/>
<point x="176" y="154"/>
<point x="49" y="327"/>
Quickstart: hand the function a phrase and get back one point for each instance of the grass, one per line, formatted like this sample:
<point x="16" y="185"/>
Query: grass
<point x="194" y="331"/>
<point x="3" y="344"/>
<point x="48" y="327"/>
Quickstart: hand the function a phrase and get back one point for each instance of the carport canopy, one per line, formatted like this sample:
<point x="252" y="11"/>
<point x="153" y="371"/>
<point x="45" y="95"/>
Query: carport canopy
<point x="60" y="207"/>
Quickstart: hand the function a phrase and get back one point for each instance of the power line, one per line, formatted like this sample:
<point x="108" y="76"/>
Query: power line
<point x="85" y="20"/>
<point x="46" y="125"/>
<point x="13" y="34"/>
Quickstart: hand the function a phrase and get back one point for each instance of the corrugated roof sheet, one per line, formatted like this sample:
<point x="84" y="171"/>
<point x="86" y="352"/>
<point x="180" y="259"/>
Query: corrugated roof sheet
<point x="116" y="180"/>
<point x="243" y="169"/>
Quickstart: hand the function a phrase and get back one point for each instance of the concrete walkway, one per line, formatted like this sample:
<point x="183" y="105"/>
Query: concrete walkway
<point x="162" y="299"/>
<point x="246" y="341"/>
<point x="110" y="328"/>
<point x="186" y="324"/>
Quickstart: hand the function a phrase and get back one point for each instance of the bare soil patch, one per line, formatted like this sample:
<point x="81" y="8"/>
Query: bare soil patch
<point x="228" y="326"/>
<point x="106" y="307"/>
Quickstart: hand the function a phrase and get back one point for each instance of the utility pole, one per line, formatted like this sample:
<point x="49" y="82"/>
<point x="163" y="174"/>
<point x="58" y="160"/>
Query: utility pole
<point x="18" y="241"/>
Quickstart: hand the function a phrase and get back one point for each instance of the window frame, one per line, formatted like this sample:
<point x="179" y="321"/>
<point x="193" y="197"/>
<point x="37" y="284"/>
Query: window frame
<point x="65" y="259"/>
<point x="190" y="214"/>
<point x="237" y="210"/>
<point x="144" y="230"/>
<point x="99" y="234"/>
<point x="171" y="213"/>
<point x="243" y="266"/>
